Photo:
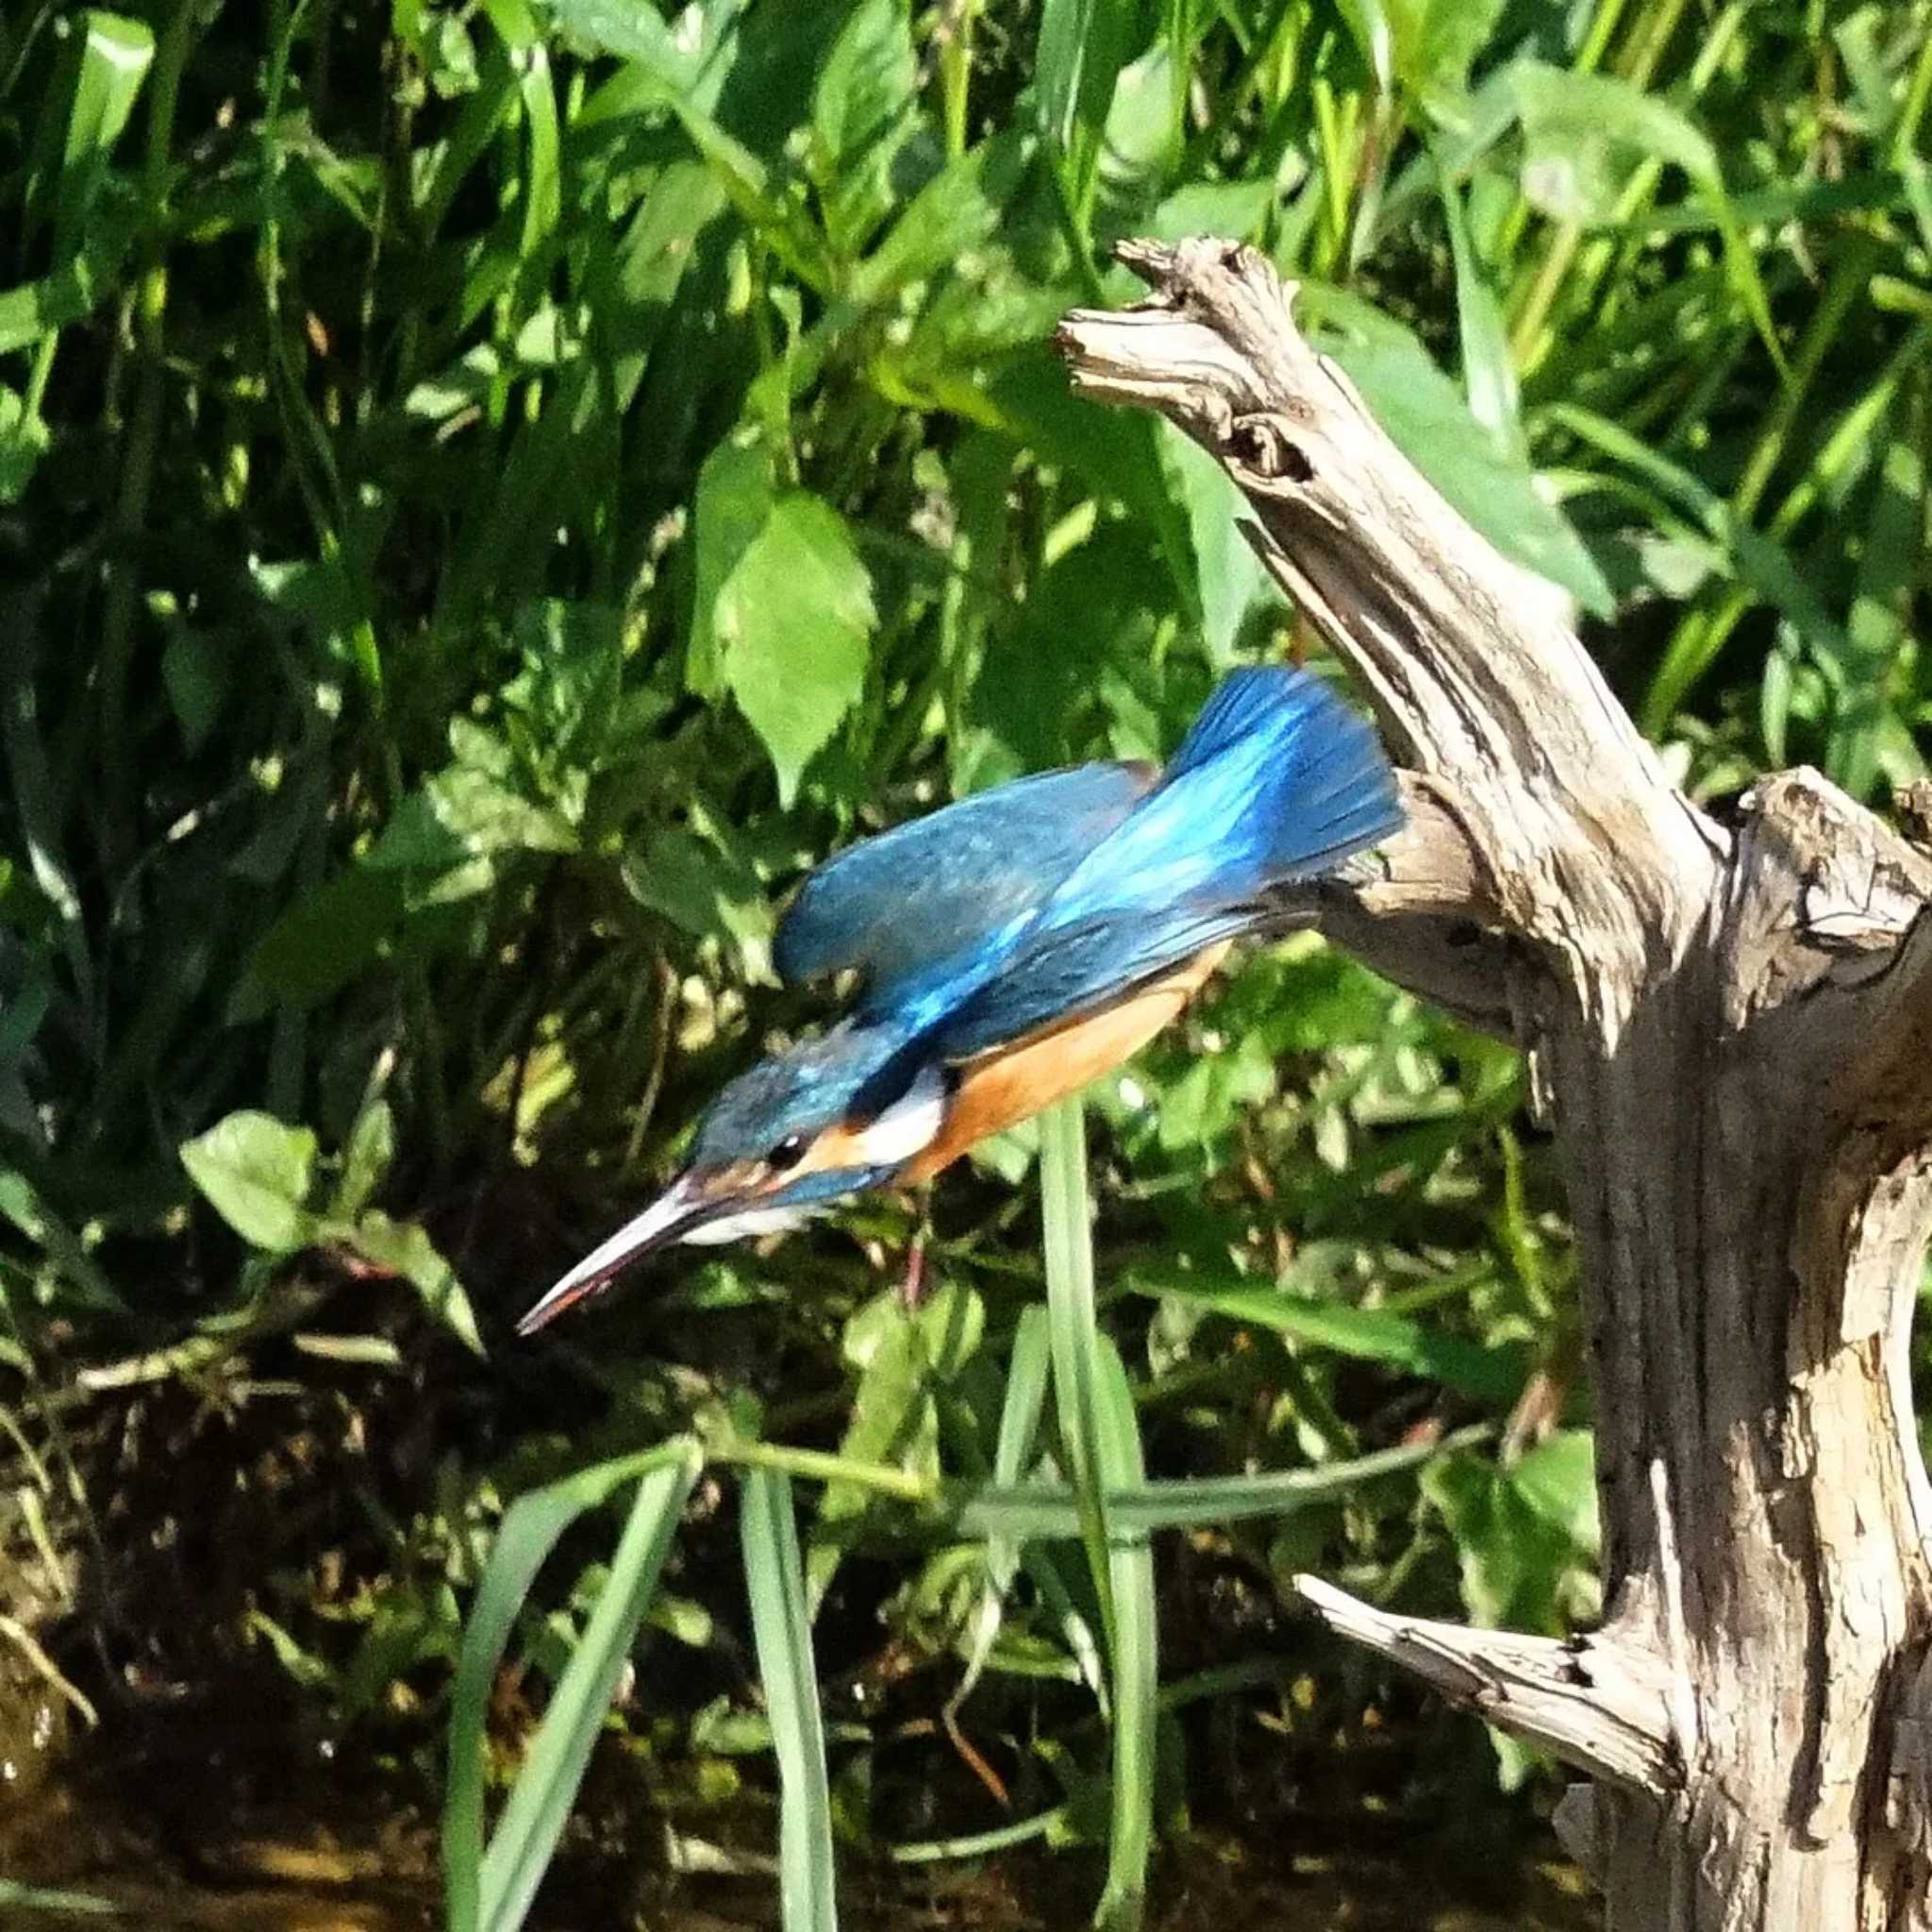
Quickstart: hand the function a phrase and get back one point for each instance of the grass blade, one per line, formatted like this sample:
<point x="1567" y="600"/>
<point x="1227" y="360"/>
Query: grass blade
<point x="1032" y="1512"/>
<point x="539" y="1802"/>
<point x="774" y="1576"/>
<point x="531" y="1531"/>
<point x="69" y="1904"/>
<point x="1864" y="708"/>
<point x="1072" y="1327"/>
<point x="1135" y="1660"/>
<point x="1490" y="1373"/>
<point x="1027" y="1373"/>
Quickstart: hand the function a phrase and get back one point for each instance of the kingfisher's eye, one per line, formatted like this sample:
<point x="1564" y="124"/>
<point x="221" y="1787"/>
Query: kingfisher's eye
<point x="787" y="1153"/>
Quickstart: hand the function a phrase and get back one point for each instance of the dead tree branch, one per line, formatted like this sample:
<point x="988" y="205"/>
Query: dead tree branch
<point x="1735" y="1022"/>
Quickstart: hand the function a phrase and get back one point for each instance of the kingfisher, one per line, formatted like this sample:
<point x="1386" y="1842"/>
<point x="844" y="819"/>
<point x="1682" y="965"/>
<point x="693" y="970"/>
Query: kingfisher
<point x="1009" y="949"/>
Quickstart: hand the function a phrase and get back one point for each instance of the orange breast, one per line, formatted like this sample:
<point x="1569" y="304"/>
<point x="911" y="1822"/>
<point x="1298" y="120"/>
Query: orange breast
<point x="1014" y="1081"/>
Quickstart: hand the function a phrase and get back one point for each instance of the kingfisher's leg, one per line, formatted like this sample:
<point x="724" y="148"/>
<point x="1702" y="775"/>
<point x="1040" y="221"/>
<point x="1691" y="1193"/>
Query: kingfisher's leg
<point x="912" y="1283"/>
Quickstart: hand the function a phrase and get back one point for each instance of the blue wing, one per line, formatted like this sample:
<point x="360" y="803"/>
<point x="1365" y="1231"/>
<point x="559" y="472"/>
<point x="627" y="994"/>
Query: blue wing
<point x="1066" y="975"/>
<point x="1278" y="780"/>
<point x="933" y="889"/>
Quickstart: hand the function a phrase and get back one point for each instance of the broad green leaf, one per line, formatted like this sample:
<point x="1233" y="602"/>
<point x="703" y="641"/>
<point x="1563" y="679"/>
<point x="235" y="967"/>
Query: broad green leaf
<point x="194" y="669"/>
<point x="1523" y="1567"/>
<point x="866" y="85"/>
<point x="1229" y="574"/>
<point x="1421" y="411"/>
<point x="466" y="813"/>
<point x="735" y="495"/>
<point x="795" y="622"/>
<point x="957" y="210"/>
<point x="1586" y="134"/>
<point x="1557" y="1479"/>
<point x="902" y="1356"/>
<point x="1436" y="41"/>
<point x="323" y="939"/>
<point x="256" y="1172"/>
<point x="405" y="1248"/>
<point x="633" y="29"/>
<point x="75" y="290"/>
<point x="781" y="1627"/>
<point x="699" y="888"/>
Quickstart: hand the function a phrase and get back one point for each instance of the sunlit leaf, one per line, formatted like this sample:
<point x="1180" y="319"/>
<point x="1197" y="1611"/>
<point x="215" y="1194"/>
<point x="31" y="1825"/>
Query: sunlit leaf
<point x="793" y="623"/>
<point x="256" y="1172"/>
<point x="405" y="1248"/>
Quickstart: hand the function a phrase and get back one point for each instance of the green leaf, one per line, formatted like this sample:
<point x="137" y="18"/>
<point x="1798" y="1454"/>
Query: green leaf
<point x="1863" y="679"/>
<point x="957" y="210"/>
<point x="1586" y="135"/>
<point x="735" y="495"/>
<point x="1229" y="576"/>
<point x="77" y="1904"/>
<point x="1523" y="1566"/>
<point x="902" y="1356"/>
<point x="71" y="291"/>
<point x="24" y="439"/>
<point x="1020" y="1413"/>
<point x="498" y="1898"/>
<point x="256" y="1172"/>
<point x="115" y="55"/>
<point x="865" y="90"/>
<point x="795" y="622"/>
<point x="633" y="29"/>
<point x="1557" y="1479"/>
<point x="1136" y="1658"/>
<point x="404" y="1248"/>
<point x="1033" y="1513"/>
<point x="1491" y="1374"/>
<point x="1488" y="369"/>
<point x="372" y="1147"/>
<point x="1067" y="1237"/>
<point x="21" y="1205"/>
<point x="781" y="1627"/>
<point x="1422" y="410"/>
<point x="1437" y="41"/>
<point x="532" y="1527"/>
<point x="1083" y="45"/>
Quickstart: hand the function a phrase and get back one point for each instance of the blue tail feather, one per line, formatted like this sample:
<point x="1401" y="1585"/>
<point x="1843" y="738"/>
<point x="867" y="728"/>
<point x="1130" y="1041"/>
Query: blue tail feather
<point x="1278" y="780"/>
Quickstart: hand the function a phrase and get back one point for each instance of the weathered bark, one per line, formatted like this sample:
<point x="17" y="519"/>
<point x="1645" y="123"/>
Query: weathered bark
<point x="1732" y="1025"/>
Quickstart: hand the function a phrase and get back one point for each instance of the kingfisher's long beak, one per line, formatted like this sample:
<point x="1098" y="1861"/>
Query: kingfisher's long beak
<point x="674" y="1214"/>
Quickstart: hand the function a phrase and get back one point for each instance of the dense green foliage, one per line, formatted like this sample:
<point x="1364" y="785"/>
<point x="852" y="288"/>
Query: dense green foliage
<point x="490" y="493"/>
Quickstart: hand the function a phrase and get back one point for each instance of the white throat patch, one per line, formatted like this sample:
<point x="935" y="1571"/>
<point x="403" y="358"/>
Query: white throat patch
<point x="908" y="1125"/>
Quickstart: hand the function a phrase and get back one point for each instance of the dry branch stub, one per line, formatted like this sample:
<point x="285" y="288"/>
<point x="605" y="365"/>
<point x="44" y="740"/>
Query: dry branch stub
<point x="1734" y="1023"/>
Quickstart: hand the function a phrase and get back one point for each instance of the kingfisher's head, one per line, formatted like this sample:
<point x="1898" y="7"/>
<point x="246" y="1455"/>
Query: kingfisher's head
<point x="826" y="1118"/>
